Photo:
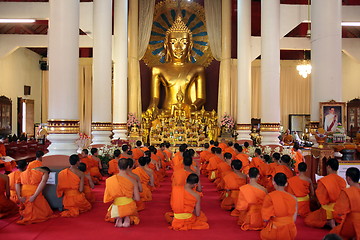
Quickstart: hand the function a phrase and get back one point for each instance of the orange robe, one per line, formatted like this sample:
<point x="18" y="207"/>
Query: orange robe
<point x="299" y="158"/>
<point x="327" y="192"/>
<point x="223" y="169"/>
<point x="13" y="179"/>
<point x="183" y="204"/>
<point x="348" y="205"/>
<point x="212" y="167"/>
<point x="177" y="159"/>
<point x="230" y="150"/>
<point x="89" y="194"/>
<point x="249" y="205"/>
<point x="7" y="207"/>
<point x="2" y="150"/>
<point x="278" y="209"/>
<point x="146" y="194"/>
<point x="204" y="158"/>
<point x="265" y="172"/>
<point x="38" y="210"/>
<point x="168" y="153"/>
<point x="7" y="165"/>
<point x="140" y="205"/>
<point x="300" y="189"/>
<point x="34" y="164"/>
<point x="244" y="158"/>
<point x="283" y="169"/>
<point x="113" y="167"/>
<point x="74" y="201"/>
<point x="223" y="146"/>
<point x="92" y="167"/>
<point x="179" y="177"/>
<point x="137" y="153"/>
<point x="119" y="190"/>
<point x="232" y="183"/>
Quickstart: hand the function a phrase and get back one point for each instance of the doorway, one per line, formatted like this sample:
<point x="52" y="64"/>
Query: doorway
<point x="26" y="117"/>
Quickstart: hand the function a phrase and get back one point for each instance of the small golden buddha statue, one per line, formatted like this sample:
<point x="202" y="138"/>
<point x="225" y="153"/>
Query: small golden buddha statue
<point x="180" y="108"/>
<point x="177" y="73"/>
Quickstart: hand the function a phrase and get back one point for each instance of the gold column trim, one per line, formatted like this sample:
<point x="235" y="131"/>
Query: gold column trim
<point x="56" y="126"/>
<point x="119" y="126"/>
<point x="270" y="127"/>
<point x="101" y="126"/>
<point x="240" y="126"/>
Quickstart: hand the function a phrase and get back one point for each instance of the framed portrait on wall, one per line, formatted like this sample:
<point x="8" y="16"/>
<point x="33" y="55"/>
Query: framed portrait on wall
<point x="332" y="114"/>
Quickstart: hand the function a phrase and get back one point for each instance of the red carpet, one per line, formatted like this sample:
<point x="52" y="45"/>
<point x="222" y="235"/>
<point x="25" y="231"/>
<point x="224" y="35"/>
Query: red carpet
<point x="152" y="225"/>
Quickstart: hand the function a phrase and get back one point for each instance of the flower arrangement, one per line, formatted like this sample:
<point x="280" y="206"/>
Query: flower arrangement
<point x="132" y="120"/>
<point x="227" y="121"/>
<point x="105" y="154"/>
<point x="82" y="142"/>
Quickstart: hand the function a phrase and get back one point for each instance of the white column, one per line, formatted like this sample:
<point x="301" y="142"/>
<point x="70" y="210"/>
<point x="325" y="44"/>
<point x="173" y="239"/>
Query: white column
<point x="102" y="72"/>
<point x="270" y="71"/>
<point x="326" y="59"/>
<point x="63" y="55"/>
<point x="120" y="96"/>
<point x="244" y="69"/>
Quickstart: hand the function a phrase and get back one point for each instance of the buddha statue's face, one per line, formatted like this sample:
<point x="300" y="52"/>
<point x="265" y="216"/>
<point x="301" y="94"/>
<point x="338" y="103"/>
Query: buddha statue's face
<point x="178" y="46"/>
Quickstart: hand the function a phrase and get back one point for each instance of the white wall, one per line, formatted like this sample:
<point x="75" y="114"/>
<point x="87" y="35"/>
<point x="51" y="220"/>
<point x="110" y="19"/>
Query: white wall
<point x="16" y="70"/>
<point x="351" y="78"/>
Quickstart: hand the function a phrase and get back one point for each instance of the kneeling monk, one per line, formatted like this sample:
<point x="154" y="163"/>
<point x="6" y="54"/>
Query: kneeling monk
<point x="122" y="190"/>
<point x="71" y="187"/>
<point x="7" y="207"/>
<point x="185" y="203"/>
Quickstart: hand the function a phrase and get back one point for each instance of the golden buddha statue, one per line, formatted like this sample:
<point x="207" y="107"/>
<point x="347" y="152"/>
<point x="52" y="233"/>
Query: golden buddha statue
<point x="180" y="108"/>
<point x="178" y="73"/>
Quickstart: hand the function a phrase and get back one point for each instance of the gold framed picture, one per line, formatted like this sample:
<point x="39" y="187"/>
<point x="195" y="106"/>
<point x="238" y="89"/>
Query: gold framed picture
<point x="332" y="114"/>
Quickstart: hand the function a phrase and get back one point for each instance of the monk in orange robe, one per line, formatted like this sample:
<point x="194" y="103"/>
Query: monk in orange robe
<point x="92" y="165"/>
<point x="180" y="175"/>
<point x="70" y="187"/>
<point x="146" y="179"/>
<point x="302" y="188"/>
<point x="161" y="171"/>
<point x="140" y="205"/>
<point x="33" y="206"/>
<point x="246" y="147"/>
<point x="230" y="149"/>
<point x="38" y="161"/>
<point x="7" y="207"/>
<point x="205" y="155"/>
<point x="213" y="162"/>
<point x="122" y="190"/>
<point x="113" y="164"/>
<point x="88" y="184"/>
<point x="223" y="145"/>
<point x="233" y="181"/>
<point x="145" y="147"/>
<point x="288" y="138"/>
<point x="263" y="168"/>
<point x="8" y="166"/>
<point x="13" y="179"/>
<point x="244" y="158"/>
<point x="168" y="151"/>
<point x="165" y="162"/>
<point x="97" y="166"/>
<point x="279" y="211"/>
<point x="298" y="157"/>
<point x="328" y="192"/>
<point x="186" y="206"/>
<point x="178" y="158"/>
<point x="224" y="167"/>
<point x="250" y="200"/>
<point x="137" y="151"/>
<point x="348" y="206"/>
<point x="284" y="167"/>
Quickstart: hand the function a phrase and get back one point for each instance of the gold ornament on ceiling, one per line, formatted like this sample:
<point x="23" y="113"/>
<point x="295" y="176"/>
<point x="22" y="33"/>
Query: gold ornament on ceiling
<point x="165" y="15"/>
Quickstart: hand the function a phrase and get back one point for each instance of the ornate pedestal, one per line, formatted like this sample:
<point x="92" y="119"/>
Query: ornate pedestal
<point x="319" y="156"/>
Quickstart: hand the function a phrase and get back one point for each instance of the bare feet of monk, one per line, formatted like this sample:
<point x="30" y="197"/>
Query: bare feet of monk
<point x="119" y="222"/>
<point x="126" y="222"/>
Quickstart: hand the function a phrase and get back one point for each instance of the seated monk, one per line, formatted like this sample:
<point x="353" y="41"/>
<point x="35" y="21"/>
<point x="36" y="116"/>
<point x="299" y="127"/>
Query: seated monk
<point x="97" y="166"/>
<point x="302" y="188"/>
<point x="92" y="165"/>
<point x="88" y="183"/>
<point x="33" y="206"/>
<point x="8" y="166"/>
<point x="233" y="181"/>
<point x="178" y="158"/>
<point x="288" y="138"/>
<point x="70" y="187"/>
<point x="7" y="207"/>
<point x="213" y="162"/>
<point x="298" y="157"/>
<point x="165" y="160"/>
<point x="145" y="147"/>
<point x="150" y="169"/>
<point x="186" y="206"/>
<point x="137" y="151"/>
<point x="157" y="162"/>
<point x="113" y="164"/>
<point x="262" y="166"/>
<point x="204" y="158"/>
<point x="348" y="205"/>
<point x="230" y="149"/>
<point x="328" y="192"/>
<point x="13" y="179"/>
<point x="223" y="145"/>
<point x="224" y="167"/>
<point x="244" y="158"/>
<point x="168" y="151"/>
<point x="38" y="161"/>
<point x="279" y="211"/>
<point x="146" y="179"/>
<point x="284" y="167"/>
<point x="250" y="201"/>
<point x="180" y="175"/>
<point x="122" y="190"/>
<point x="140" y="205"/>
